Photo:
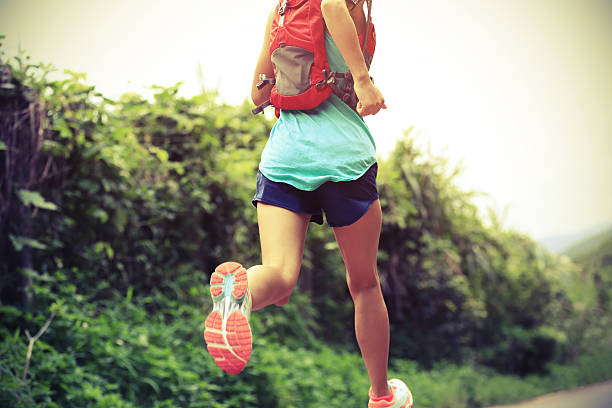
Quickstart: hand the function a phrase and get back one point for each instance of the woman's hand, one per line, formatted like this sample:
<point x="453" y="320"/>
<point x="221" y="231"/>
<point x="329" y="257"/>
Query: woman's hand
<point x="342" y="29"/>
<point x="371" y="100"/>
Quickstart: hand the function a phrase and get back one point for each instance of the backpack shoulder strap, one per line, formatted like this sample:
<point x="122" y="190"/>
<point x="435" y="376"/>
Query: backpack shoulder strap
<point x="368" y="21"/>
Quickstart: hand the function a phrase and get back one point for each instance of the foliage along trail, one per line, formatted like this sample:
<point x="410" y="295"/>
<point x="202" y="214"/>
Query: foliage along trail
<point x="113" y="213"/>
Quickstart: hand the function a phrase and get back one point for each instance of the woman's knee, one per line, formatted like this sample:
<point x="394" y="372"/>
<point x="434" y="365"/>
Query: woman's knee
<point x="362" y="280"/>
<point x="286" y="280"/>
<point x="288" y="283"/>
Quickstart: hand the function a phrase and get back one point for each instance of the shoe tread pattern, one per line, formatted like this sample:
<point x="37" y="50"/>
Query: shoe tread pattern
<point x="229" y="344"/>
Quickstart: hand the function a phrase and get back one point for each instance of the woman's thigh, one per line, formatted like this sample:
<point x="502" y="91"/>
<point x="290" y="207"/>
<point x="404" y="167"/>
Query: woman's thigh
<point x="358" y="244"/>
<point x="282" y="234"/>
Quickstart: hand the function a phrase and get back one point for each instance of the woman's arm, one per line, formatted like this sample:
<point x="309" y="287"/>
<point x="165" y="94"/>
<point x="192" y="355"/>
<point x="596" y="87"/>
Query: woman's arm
<point x="264" y="66"/>
<point x="341" y="27"/>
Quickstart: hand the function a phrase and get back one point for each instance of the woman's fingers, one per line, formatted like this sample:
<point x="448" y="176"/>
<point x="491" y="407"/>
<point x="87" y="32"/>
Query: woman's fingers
<point x="370" y="109"/>
<point x="371" y="100"/>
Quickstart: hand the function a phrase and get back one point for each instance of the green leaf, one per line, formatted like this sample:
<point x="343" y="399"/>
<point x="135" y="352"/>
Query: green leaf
<point x="28" y="197"/>
<point x="161" y="154"/>
<point x="120" y="219"/>
<point x="152" y="384"/>
<point x="99" y="247"/>
<point x="3" y="145"/>
<point x="100" y="214"/>
<point x="20" y="242"/>
<point x="62" y="127"/>
<point x="32" y="274"/>
<point x="110" y="252"/>
<point x="93" y="150"/>
<point x="55" y="148"/>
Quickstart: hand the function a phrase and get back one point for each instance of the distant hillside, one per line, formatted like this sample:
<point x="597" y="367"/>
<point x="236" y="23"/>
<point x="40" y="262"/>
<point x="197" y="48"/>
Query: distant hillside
<point x="560" y="243"/>
<point x="596" y="249"/>
<point x="591" y="286"/>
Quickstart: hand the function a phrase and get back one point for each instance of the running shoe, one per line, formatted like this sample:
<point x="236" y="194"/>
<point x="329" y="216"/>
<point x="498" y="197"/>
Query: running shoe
<point x="402" y="397"/>
<point x="227" y="332"/>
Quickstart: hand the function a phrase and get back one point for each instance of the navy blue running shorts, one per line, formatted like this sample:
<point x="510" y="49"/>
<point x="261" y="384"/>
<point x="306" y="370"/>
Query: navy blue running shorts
<point x="343" y="202"/>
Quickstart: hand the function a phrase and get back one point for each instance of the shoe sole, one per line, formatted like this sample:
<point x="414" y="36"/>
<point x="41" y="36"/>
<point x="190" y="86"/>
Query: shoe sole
<point x="229" y="340"/>
<point x="410" y="401"/>
<point x="408" y="404"/>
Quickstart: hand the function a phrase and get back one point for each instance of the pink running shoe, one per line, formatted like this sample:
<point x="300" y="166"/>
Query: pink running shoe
<point x="402" y="397"/>
<point x="227" y="332"/>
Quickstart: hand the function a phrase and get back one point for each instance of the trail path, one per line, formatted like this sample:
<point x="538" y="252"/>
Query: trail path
<point x="592" y="396"/>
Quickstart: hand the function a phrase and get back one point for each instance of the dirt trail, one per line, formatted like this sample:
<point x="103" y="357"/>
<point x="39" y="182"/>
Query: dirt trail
<point x="591" y="396"/>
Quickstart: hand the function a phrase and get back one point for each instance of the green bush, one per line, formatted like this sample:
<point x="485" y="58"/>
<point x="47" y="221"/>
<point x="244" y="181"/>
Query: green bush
<point x="117" y="214"/>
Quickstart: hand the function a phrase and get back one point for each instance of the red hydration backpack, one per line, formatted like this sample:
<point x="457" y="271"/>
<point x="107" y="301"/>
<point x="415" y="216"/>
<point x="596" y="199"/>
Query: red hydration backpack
<point x="302" y="77"/>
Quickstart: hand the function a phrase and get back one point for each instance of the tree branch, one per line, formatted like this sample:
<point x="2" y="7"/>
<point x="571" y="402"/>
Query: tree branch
<point x="32" y="340"/>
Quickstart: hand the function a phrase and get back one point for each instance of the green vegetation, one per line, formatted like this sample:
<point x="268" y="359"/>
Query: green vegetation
<point x="590" y="285"/>
<point x="114" y="213"/>
<point x="596" y="246"/>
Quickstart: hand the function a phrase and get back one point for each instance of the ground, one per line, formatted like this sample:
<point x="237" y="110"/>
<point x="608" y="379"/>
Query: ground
<point x="592" y="396"/>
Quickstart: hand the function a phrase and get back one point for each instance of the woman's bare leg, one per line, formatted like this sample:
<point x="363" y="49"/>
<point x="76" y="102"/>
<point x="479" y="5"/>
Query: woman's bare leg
<point x="358" y="243"/>
<point x="282" y="234"/>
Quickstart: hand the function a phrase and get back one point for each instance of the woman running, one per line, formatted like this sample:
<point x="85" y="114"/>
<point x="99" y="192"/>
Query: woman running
<point x="316" y="161"/>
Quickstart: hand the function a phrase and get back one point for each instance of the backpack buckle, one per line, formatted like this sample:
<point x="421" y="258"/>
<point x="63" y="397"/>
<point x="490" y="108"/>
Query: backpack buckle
<point x="263" y="81"/>
<point x="260" y="108"/>
<point x="281" y="9"/>
<point x="329" y="78"/>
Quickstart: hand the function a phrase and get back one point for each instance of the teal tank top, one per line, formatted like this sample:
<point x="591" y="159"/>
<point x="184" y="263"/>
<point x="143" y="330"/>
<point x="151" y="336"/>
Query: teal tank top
<point x="328" y="143"/>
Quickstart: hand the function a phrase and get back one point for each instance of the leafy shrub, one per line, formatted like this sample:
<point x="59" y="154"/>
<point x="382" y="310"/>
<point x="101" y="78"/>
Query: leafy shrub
<point x="130" y="204"/>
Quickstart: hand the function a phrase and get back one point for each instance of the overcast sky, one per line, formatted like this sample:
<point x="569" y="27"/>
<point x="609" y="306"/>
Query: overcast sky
<point x="519" y="91"/>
